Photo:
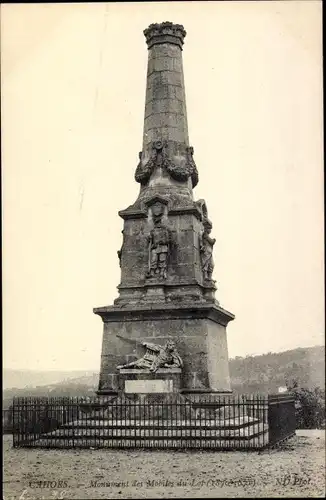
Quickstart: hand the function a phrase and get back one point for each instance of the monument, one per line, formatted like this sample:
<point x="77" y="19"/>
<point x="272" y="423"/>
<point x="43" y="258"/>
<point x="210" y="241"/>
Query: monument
<point x="164" y="377"/>
<point x="165" y="332"/>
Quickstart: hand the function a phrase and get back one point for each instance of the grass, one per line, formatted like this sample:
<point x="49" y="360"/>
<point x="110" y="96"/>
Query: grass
<point x="295" y="469"/>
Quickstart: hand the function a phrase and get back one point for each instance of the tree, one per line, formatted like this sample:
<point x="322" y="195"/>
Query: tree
<point x="309" y="406"/>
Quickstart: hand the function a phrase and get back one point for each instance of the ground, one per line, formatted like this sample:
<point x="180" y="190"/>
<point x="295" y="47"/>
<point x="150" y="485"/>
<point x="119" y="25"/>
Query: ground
<point x="296" y="469"/>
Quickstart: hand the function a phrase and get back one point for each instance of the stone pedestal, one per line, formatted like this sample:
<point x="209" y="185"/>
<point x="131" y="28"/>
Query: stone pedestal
<point x="199" y="333"/>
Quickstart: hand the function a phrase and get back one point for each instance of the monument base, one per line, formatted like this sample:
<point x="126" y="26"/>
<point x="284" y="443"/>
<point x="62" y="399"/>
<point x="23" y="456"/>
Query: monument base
<point x="198" y="331"/>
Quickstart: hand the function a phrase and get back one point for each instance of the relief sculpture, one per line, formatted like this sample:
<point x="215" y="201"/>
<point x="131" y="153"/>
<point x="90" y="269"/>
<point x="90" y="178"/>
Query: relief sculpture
<point x="159" y="157"/>
<point x="155" y="357"/>
<point x="159" y="245"/>
<point x="119" y="252"/>
<point x="206" y="251"/>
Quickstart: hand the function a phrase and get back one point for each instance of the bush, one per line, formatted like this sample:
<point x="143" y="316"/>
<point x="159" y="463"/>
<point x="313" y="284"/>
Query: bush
<point x="309" y="406"/>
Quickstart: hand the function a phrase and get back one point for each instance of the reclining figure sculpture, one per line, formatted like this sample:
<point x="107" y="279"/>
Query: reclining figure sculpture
<point x="156" y="356"/>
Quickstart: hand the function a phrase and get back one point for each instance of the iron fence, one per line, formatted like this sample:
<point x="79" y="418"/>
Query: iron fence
<point x="281" y="418"/>
<point x="152" y="421"/>
<point x="7" y="421"/>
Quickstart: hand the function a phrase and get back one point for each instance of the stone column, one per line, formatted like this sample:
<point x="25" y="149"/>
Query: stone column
<point x="166" y="160"/>
<point x="165" y="107"/>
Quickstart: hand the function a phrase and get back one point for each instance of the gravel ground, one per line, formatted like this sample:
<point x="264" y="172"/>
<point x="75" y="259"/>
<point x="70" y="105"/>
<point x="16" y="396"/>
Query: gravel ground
<point x="296" y="469"/>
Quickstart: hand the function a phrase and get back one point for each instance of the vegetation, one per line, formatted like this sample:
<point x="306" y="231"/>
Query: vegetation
<point x="309" y="405"/>
<point x="267" y="372"/>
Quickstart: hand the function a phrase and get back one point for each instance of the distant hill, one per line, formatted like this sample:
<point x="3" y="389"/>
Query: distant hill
<point x="34" y="378"/>
<point x="262" y="374"/>
<point x="267" y="372"/>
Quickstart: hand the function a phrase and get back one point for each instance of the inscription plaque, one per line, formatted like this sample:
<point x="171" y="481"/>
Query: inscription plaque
<point x="148" y="386"/>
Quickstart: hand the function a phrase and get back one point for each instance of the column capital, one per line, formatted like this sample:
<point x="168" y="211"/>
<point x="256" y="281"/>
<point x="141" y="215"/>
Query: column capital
<point x="165" y="32"/>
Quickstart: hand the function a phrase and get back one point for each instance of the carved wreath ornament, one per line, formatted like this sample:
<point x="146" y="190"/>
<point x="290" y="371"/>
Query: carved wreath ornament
<point x="159" y="157"/>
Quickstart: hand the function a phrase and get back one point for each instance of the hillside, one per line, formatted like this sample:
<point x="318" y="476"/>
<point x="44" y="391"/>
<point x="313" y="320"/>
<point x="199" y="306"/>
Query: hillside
<point x="267" y="372"/>
<point x="34" y="378"/>
<point x="263" y="374"/>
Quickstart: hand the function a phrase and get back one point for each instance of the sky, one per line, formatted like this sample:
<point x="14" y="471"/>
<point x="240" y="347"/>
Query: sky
<point x="73" y="93"/>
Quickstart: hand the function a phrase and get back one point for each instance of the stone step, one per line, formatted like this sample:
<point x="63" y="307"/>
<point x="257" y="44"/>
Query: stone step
<point x="109" y="432"/>
<point x="236" y="433"/>
<point x="230" y="423"/>
<point x="256" y="441"/>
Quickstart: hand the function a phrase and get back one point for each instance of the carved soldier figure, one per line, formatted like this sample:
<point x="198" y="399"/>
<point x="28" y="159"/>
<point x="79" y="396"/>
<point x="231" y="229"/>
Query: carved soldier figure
<point x="159" y="245"/>
<point x="206" y="251"/>
<point x="119" y="252"/>
<point x="156" y="356"/>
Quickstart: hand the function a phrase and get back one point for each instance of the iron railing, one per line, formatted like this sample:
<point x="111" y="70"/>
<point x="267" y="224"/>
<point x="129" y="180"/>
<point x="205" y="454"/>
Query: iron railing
<point x="7" y="421"/>
<point x="281" y="418"/>
<point x="153" y="421"/>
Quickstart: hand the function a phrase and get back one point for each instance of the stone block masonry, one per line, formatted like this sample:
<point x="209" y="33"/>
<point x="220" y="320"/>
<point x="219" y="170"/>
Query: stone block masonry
<point x="167" y="290"/>
<point x="165" y="104"/>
